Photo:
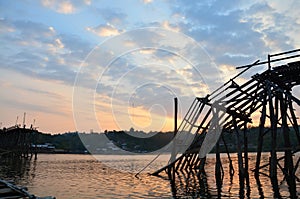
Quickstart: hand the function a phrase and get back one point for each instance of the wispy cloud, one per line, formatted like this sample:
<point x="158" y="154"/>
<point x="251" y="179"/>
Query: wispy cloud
<point x="6" y="27"/>
<point x="147" y="1"/>
<point x="167" y="25"/>
<point x="227" y="30"/>
<point x="104" y="30"/>
<point x="112" y="16"/>
<point x="41" y="52"/>
<point x="65" y="6"/>
<point x="27" y="106"/>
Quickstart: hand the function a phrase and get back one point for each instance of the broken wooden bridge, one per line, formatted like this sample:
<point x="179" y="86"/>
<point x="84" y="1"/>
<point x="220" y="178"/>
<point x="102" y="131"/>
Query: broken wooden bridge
<point x="266" y="97"/>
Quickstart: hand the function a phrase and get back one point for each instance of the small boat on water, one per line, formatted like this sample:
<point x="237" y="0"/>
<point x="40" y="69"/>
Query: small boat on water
<point x="11" y="191"/>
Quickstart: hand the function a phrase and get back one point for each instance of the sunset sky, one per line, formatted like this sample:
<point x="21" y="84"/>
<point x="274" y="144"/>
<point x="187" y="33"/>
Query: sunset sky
<point x="87" y="64"/>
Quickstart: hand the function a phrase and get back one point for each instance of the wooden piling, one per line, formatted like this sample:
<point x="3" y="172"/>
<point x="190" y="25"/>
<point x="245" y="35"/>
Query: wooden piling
<point x="273" y="127"/>
<point x="239" y="151"/>
<point x="260" y="138"/>
<point x="288" y="159"/>
<point x="218" y="167"/>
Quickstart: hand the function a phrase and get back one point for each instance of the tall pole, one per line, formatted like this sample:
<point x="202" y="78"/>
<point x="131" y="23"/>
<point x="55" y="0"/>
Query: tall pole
<point x="24" y="120"/>
<point x="171" y="170"/>
<point x="175" y="115"/>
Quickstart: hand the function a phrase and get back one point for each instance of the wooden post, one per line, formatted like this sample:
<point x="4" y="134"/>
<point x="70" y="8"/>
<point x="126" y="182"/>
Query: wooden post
<point x="175" y="115"/>
<point x="239" y="152"/>
<point x="269" y="62"/>
<point x="294" y="119"/>
<point x="288" y="158"/>
<point x="273" y="123"/>
<point x="246" y="146"/>
<point x="261" y="135"/>
<point x="218" y="164"/>
<point x="231" y="169"/>
<point x="171" y="170"/>
<point x="246" y="173"/>
<point x="259" y="148"/>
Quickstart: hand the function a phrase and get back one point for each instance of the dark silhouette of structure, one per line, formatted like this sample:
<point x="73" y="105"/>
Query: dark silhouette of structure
<point x="18" y="141"/>
<point x="230" y="109"/>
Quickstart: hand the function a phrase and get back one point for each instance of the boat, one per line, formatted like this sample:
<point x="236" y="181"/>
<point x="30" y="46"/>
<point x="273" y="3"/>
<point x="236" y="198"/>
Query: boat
<point x="8" y="190"/>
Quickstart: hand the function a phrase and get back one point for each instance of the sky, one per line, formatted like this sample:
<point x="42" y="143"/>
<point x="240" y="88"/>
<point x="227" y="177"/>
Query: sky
<point x="87" y="65"/>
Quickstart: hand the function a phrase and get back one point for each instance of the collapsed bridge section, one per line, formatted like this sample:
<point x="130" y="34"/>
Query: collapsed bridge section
<point x="230" y="109"/>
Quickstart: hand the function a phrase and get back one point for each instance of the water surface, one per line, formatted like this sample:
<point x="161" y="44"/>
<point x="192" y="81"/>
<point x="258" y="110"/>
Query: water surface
<point x="83" y="176"/>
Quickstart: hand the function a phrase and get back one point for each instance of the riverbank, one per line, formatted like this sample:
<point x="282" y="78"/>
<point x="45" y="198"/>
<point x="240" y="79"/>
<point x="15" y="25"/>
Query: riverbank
<point x="115" y="142"/>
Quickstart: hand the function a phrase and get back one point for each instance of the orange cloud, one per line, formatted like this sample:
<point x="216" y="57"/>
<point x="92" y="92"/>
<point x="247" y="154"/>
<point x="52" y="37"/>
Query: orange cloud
<point x="64" y="7"/>
<point x="147" y="1"/>
<point x="104" y="31"/>
<point x="167" y="25"/>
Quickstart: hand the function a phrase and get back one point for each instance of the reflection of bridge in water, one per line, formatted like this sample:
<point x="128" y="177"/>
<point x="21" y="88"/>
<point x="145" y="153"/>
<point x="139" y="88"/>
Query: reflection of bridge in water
<point x="190" y="183"/>
<point x="230" y="109"/>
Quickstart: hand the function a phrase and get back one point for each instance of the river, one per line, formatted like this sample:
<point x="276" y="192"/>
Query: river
<point x="68" y="176"/>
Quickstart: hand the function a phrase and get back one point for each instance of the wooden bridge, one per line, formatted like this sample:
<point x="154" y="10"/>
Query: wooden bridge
<point x="230" y="109"/>
<point x="18" y="141"/>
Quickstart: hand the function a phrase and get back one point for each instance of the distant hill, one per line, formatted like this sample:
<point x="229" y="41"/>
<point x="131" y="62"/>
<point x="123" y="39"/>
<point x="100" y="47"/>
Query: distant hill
<point x="141" y="142"/>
